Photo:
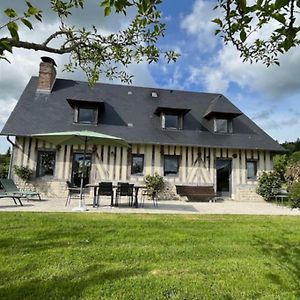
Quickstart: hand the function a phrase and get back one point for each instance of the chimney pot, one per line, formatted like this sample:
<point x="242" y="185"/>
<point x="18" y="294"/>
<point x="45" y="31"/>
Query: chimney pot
<point x="47" y="75"/>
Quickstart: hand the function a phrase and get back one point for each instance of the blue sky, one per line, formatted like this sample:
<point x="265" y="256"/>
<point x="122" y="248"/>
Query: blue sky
<point x="270" y="96"/>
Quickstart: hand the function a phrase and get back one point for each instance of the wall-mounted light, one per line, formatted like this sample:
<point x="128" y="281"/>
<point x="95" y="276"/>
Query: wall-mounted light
<point x="58" y="147"/>
<point x="94" y="149"/>
<point x="234" y="155"/>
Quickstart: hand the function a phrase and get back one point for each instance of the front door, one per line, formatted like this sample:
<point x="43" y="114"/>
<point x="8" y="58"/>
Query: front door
<point x="223" y="167"/>
<point x="78" y="167"/>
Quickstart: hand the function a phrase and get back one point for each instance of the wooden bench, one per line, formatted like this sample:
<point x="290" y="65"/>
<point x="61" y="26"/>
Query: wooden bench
<point x="196" y="193"/>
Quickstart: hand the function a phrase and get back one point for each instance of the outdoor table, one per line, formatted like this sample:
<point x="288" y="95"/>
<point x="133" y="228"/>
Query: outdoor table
<point x="137" y="187"/>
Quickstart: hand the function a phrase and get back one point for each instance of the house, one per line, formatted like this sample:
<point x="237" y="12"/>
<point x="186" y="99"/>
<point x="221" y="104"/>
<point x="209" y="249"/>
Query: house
<point x="198" y="139"/>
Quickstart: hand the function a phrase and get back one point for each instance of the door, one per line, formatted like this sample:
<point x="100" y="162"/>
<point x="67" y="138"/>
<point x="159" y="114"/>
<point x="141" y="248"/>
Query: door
<point x="223" y="167"/>
<point x="77" y="168"/>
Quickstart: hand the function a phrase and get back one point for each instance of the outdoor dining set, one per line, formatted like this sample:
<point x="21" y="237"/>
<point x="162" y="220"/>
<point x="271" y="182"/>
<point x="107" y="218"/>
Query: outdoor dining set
<point x="115" y="191"/>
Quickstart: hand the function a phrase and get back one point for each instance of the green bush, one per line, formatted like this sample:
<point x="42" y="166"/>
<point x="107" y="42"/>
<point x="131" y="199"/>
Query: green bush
<point x="154" y="184"/>
<point x="268" y="183"/>
<point x="292" y="173"/>
<point x="294" y="194"/>
<point x="23" y="173"/>
<point x="279" y="165"/>
<point x="4" y="164"/>
<point x="294" y="157"/>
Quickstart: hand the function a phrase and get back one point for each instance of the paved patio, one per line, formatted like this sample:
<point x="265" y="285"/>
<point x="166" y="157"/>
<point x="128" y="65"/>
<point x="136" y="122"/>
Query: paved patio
<point x="164" y="207"/>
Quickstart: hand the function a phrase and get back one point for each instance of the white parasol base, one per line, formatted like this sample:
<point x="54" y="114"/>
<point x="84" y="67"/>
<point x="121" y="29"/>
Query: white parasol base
<point x="80" y="208"/>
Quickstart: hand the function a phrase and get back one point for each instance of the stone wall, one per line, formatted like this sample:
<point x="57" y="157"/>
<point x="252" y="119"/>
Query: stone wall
<point x="247" y="193"/>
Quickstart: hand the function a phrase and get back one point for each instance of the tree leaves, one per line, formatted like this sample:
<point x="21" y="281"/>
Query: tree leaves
<point x="27" y="23"/>
<point x="13" y="29"/>
<point x="281" y="3"/>
<point x="97" y="55"/>
<point x="240" y="21"/>
<point x="11" y="13"/>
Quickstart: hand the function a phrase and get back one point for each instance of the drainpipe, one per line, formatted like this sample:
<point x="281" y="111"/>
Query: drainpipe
<point x="13" y="146"/>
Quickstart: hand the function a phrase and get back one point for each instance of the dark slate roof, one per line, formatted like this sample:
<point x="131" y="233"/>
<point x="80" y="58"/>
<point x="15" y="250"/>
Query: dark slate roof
<point x="221" y="106"/>
<point x="129" y="114"/>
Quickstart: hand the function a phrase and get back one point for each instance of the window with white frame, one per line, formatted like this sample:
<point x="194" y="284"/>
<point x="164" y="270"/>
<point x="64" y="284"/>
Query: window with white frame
<point x="171" y="165"/>
<point x="45" y="163"/>
<point x="251" y="169"/>
<point x="223" y="125"/>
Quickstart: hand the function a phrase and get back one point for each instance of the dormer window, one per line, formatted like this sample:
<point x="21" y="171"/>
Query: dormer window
<point x="86" y="115"/>
<point x="86" y="111"/>
<point x="171" y="121"/>
<point x="171" y="117"/>
<point x="222" y="125"/>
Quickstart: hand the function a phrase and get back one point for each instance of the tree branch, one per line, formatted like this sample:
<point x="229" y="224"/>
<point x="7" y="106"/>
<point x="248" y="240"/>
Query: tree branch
<point x="41" y="47"/>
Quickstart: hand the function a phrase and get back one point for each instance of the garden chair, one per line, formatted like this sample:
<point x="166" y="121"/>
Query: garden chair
<point x="124" y="189"/>
<point x="73" y="192"/>
<point x="10" y="188"/>
<point x="105" y="189"/>
<point x="4" y="195"/>
<point x="149" y="195"/>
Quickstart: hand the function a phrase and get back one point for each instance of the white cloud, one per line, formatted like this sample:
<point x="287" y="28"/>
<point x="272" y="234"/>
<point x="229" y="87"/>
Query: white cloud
<point x="198" y="24"/>
<point x="225" y="66"/>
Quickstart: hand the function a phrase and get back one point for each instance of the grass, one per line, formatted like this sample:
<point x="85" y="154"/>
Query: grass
<point x="113" y="256"/>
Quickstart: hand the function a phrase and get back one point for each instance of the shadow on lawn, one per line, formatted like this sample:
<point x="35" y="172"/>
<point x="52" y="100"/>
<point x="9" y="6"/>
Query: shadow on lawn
<point x="287" y="256"/>
<point x="68" y="286"/>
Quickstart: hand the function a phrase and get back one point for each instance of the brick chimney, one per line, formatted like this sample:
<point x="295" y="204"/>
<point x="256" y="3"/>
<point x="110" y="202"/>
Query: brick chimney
<point x="47" y="75"/>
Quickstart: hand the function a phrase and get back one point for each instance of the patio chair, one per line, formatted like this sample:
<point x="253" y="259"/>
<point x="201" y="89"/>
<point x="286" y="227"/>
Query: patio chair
<point x="10" y="188"/>
<point x="124" y="189"/>
<point x="73" y="192"/>
<point x="105" y="189"/>
<point x="4" y="195"/>
<point x="148" y="195"/>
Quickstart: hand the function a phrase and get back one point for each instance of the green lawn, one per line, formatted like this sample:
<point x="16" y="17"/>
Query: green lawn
<point x="113" y="256"/>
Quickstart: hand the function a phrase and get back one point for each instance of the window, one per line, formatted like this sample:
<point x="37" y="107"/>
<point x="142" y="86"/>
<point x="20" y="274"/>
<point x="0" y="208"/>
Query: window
<point x="45" y="163"/>
<point x="78" y="167"/>
<point x="137" y="164"/>
<point x="171" y="121"/>
<point x="171" y="165"/>
<point x="86" y="115"/>
<point x="222" y="125"/>
<point x="251" y="169"/>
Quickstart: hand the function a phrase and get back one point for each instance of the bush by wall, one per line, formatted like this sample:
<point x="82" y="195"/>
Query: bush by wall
<point x="154" y="184"/>
<point x="268" y="183"/>
<point x="23" y="173"/>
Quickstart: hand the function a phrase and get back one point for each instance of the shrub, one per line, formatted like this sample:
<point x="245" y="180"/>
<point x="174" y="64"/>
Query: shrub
<point x="4" y="164"/>
<point x="292" y="173"/>
<point x="294" y="194"/>
<point x="23" y="173"/>
<point x="280" y="164"/>
<point x="294" y="157"/>
<point x="268" y="183"/>
<point x="154" y="184"/>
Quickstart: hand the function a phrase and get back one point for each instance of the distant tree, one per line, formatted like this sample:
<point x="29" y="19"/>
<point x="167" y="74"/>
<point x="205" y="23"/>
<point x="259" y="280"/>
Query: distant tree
<point x="242" y="19"/>
<point x="89" y="50"/>
<point x="4" y="164"/>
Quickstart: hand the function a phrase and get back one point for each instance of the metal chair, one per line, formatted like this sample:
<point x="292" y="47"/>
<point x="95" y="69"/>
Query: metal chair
<point x="105" y="189"/>
<point x="149" y="195"/>
<point x="124" y="189"/>
<point x="73" y="192"/>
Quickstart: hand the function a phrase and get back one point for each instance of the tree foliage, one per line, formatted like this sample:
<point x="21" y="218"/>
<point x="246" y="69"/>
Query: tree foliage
<point x="4" y="164"/>
<point x="260" y="29"/>
<point x="90" y="50"/>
